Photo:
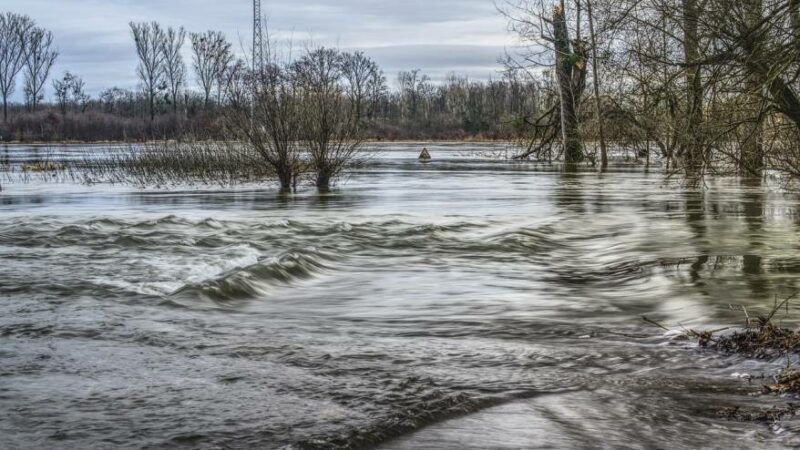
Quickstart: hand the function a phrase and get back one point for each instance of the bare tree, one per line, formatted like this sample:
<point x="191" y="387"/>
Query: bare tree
<point x="361" y="72"/>
<point x="751" y="140"/>
<point x="331" y="126"/>
<point x="264" y="113"/>
<point x="39" y="59"/>
<point x="376" y="90"/>
<point x="211" y="55"/>
<point x="69" y="92"/>
<point x="149" y="39"/>
<point x="570" y="60"/>
<point x="231" y="77"/>
<point x="78" y="90"/>
<point x="703" y="78"/>
<point x="693" y="147"/>
<point x="14" y="33"/>
<point x="62" y="89"/>
<point x="550" y="45"/>
<point x="226" y="67"/>
<point x="596" y="84"/>
<point x="413" y="87"/>
<point x="174" y="67"/>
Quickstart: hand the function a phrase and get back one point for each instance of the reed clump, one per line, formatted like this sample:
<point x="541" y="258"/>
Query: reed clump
<point x="174" y="163"/>
<point x="45" y="166"/>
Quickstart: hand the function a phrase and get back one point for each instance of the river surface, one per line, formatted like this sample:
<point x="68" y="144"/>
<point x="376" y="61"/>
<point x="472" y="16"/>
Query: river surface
<point x="471" y="302"/>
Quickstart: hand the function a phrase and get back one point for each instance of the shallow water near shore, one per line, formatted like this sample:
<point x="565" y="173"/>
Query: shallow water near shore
<point x="468" y="302"/>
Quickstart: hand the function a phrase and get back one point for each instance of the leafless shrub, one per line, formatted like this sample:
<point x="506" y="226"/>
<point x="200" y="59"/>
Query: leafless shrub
<point x="331" y="122"/>
<point x="173" y="163"/>
<point x="265" y="114"/>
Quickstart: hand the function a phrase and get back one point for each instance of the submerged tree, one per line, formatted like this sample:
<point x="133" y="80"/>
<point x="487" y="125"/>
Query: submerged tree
<point x="703" y="79"/>
<point x="264" y="114"/>
<point x="300" y="116"/>
<point x="570" y="67"/>
<point x="551" y="45"/>
<point x="331" y="116"/>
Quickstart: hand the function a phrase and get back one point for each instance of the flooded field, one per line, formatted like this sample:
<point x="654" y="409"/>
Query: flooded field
<point x="470" y="302"/>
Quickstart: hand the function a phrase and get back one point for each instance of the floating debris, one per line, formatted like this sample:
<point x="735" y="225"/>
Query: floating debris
<point x="770" y="415"/>
<point x="761" y="338"/>
<point x="767" y="341"/>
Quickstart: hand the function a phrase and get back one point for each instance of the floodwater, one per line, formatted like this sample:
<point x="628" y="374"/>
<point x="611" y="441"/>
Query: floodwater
<point x="471" y="302"/>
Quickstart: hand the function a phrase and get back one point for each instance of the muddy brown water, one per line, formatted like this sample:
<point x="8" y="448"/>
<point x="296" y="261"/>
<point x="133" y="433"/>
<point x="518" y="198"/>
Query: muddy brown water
<point x="468" y="302"/>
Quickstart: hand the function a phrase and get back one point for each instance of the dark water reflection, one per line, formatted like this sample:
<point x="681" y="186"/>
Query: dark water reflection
<point x="466" y="303"/>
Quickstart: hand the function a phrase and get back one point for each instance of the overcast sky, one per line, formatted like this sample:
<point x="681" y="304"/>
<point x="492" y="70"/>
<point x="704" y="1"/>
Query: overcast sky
<point x="436" y="36"/>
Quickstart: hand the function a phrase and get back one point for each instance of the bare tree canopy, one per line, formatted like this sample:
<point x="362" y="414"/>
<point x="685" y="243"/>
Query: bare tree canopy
<point x="211" y="55"/>
<point x="414" y="86"/>
<point x="174" y="67"/>
<point x="149" y="39"/>
<point x="14" y="34"/>
<point x="39" y="59"/>
<point x="365" y="79"/>
<point x="69" y="92"/>
<point x="331" y="122"/>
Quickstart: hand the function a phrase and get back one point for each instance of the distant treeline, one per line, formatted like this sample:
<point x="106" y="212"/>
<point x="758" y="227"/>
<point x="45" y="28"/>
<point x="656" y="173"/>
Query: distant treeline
<point x="418" y="109"/>
<point x="176" y="100"/>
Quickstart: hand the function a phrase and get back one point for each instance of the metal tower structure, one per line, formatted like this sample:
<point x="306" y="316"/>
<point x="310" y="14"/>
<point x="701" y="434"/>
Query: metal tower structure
<point x="258" y="37"/>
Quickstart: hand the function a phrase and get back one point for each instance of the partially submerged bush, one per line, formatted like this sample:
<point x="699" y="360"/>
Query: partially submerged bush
<point x="331" y="112"/>
<point x="264" y="114"/>
<point x="299" y="116"/>
<point x="170" y="163"/>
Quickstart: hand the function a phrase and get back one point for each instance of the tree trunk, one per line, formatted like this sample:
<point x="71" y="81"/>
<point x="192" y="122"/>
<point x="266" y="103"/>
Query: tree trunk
<point x="565" y="61"/>
<point x="323" y="181"/>
<point x="794" y="13"/>
<point x="286" y="178"/>
<point x="781" y="94"/>
<point x="597" y="110"/>
<point x="751" y="160"/>
<point x="693" y="147"/>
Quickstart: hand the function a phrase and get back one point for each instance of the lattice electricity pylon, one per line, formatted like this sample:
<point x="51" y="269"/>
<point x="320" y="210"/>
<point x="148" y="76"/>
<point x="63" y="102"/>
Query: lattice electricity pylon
<point x="258" y="38"/>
